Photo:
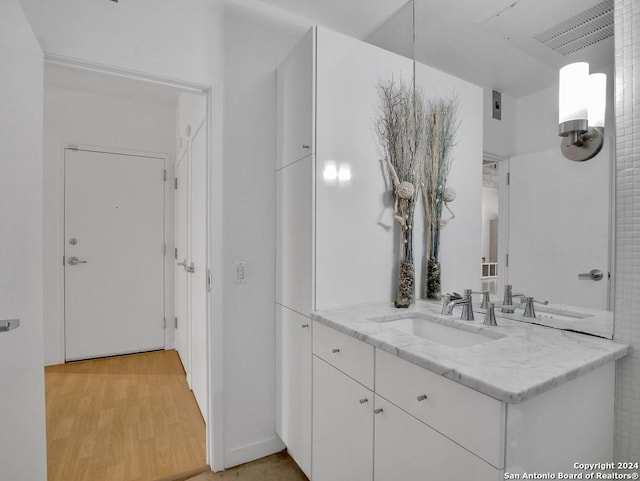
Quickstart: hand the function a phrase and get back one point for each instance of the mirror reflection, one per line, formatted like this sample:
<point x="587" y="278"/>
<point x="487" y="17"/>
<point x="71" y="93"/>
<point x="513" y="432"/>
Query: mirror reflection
<point x="545" y="221"/>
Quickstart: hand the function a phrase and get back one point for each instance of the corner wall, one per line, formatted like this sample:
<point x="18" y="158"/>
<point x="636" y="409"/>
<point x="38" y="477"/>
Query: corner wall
<point x="627" y="293"/>
<point x="255" y="43"/>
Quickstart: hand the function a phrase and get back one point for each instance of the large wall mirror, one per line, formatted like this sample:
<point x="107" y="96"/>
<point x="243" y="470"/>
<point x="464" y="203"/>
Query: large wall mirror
<point x="545" y="221"/>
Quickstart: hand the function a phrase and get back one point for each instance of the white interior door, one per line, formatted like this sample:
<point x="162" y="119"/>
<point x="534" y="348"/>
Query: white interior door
<point x="22" y="424"/>
<point x="559" y="214"/>
<point x="198" y="252"/>
<point x="114" y="254"/>
<point x="182" y="292"/>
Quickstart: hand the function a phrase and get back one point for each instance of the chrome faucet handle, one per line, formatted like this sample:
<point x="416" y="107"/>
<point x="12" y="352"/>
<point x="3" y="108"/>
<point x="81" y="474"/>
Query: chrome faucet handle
<point x="529" y="311"/>
<point x="467" y="307"/>
<point x="446" y="299"/>
<point x="485" y="298"/>
<point x="507" y="299"/>
<point x="490" y="315"/>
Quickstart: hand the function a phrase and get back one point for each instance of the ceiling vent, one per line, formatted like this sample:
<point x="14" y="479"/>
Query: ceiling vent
<point x="580" y="31"/>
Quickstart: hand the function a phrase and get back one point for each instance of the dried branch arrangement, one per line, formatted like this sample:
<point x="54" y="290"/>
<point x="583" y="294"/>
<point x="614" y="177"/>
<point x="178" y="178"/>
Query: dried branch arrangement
<point x="441" y="131"/>
<point x="400" y="127"/>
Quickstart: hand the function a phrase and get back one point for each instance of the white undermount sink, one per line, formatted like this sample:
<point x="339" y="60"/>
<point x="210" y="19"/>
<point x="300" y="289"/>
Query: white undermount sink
<point x="440" y="333"/>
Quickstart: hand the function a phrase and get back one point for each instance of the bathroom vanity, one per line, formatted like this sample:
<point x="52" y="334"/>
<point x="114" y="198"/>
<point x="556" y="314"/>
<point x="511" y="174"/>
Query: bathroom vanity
<point x="397" y="394"/>
<point x="375" y="393"/>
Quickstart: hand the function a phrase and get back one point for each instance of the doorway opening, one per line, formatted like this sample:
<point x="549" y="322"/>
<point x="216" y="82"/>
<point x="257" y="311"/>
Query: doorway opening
<point x="127" y="271"/>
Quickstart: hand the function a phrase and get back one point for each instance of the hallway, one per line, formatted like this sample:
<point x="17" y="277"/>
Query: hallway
<point x="127" y="418"/>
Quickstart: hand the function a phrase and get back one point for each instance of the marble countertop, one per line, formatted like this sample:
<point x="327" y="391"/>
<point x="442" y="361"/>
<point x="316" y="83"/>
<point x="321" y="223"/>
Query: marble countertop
<point x="518" y="362"/>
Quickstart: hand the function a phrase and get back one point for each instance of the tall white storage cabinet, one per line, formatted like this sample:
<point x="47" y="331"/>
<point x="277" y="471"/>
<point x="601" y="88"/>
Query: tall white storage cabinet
<point x="330" y="201"/>
<point x="335" y="232"/>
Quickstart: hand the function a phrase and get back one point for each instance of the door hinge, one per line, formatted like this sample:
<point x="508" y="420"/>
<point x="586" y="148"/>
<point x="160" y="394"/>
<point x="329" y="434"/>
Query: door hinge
<point x="508" y="178"/>
<point x="165" y="323"/>
<point x="175" y="252"/>
<point x="164" y="249"/>
<point x="63" y="260"/>
<point x="208" y="280"/>
<point x="175" y="183"/>
<point x="164" y="175"/>
<point x="506" y="263"/>
<point x="175" y="322"/>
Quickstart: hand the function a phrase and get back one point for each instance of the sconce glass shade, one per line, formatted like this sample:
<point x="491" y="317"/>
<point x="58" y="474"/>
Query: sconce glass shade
<point x="581" y="110"/>
<point x="573" y="92"/>
<point x="597" y="98"/>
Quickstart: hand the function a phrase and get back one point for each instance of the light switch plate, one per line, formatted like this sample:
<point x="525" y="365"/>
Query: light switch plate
<point x="240" y="272"/>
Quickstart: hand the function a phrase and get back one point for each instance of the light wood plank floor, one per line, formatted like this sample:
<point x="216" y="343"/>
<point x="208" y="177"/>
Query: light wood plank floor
<point x="127" y="418"/>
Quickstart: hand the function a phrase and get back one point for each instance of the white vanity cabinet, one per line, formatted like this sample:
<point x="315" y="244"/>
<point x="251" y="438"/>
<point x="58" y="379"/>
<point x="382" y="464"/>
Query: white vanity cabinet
<point x="343" y="378"/>
<point x="407" y="449"/>
<point x="427" y="425"/>
<point x="342" y="426"/>
<point x="293" y="386"/>
<point x="409" y="441"/>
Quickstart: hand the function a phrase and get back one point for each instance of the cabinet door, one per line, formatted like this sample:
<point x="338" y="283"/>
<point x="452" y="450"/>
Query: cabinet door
<point x="295" y="80"/>
<point x="293" y="385"/>
<point x="405" y="448"/>
<point x="342" y="426"/>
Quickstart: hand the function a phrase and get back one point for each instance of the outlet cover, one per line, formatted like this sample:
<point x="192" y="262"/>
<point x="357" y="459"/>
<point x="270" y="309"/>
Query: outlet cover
<point x="240" y="272"/>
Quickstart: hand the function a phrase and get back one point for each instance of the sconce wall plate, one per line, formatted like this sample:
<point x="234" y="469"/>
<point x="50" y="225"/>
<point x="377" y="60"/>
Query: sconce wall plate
<point x="587" y="146"/>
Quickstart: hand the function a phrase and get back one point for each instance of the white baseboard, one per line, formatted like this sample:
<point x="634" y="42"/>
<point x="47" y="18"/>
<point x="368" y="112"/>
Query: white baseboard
<point x="258" y="450"/>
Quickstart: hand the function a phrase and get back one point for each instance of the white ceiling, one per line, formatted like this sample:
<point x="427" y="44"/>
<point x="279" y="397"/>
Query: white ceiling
<point x="357" y="18"/>
<point x="487" y="42"/>
<point x="490" y="42"/>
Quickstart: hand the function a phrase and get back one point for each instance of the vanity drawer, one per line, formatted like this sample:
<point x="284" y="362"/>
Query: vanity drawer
<point x="349" y="355"/>
<point x="470" y="418"/>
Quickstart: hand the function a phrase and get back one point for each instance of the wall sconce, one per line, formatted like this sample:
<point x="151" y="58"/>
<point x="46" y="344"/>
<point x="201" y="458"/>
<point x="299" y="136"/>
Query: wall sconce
<point x="582" y="103"/>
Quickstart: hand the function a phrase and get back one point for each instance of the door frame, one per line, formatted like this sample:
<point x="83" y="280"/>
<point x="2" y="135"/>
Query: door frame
<point x="214" y="189"/>
<point x="166" y="213"/>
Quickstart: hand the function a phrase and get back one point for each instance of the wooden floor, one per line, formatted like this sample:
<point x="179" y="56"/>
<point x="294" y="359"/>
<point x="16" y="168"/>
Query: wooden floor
<point x="277" y="467"/>
<point x="127" y="418"/>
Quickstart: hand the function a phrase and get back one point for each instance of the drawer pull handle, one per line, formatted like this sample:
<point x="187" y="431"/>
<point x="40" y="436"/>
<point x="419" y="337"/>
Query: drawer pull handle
<point x="422" y="397"/>
<point x="378" y="411"/>
<point x="335" y="351"/>
<point x="363" y="400"/>
<point x="305" y="326"/>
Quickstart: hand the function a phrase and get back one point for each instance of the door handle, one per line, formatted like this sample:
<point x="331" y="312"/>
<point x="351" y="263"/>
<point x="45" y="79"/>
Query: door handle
<point x="188" y="268"/>
<point x="74" y="261"/>
<point x="593" y="274"/>
<point x="9" y="325"/>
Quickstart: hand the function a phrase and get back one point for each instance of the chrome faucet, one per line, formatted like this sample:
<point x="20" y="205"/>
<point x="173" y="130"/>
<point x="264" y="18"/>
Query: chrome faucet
<point x="490" y="315"/>
<point x="485" y="298"/>
<point x="508" y="297"/>
<point x="465" y="303"/>
<point x="529" y="311"/>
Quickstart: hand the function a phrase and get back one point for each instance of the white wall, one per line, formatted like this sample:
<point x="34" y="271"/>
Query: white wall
<point x="460" y="239"/>
<point x="74" y="117"/>
<point x="499" y="135"/>
<point x="255" y="45"/>
<point x="22" y="423"/>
